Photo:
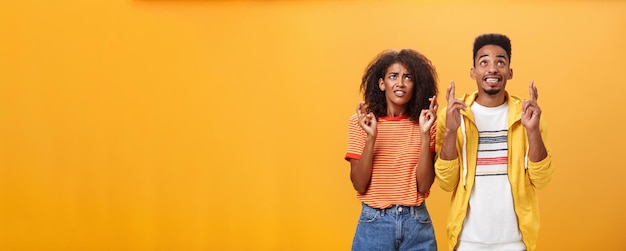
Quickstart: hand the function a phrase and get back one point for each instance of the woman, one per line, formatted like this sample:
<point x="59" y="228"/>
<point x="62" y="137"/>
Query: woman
<point x="391" y="144"/>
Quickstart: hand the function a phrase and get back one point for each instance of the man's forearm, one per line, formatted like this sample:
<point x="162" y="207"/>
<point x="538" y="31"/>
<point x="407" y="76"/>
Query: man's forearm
<point x="448" y="147"/>
<point x="536" y="148"/>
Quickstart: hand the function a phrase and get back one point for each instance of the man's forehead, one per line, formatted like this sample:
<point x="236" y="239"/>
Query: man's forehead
<point x="492" y="53"/>
<point x="491" y="48"/>
<point x="503" y="55"/>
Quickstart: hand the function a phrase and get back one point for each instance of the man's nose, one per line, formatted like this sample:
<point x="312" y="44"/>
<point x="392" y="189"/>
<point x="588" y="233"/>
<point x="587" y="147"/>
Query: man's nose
<point x="492" y="68"/>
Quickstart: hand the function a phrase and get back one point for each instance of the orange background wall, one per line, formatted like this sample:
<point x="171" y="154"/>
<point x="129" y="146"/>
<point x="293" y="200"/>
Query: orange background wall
<point x="221" y="125"/>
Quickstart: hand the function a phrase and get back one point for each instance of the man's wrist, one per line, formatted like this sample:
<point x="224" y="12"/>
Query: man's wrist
<point x="533" y="132"/>
<point x="449" y="131"/>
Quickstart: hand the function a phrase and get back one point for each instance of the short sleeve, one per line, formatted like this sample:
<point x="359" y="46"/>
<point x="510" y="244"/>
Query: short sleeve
<point x="356" y="139"/>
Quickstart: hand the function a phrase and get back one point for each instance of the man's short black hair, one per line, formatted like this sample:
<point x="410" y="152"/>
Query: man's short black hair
<point x="492" y="39"/>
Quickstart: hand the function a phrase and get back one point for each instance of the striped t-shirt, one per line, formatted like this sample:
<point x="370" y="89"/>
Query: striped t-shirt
<point x="491" y="223"/>
<point x="396" y="153"/>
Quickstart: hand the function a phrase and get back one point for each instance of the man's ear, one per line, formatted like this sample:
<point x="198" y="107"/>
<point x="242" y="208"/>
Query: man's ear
<point x="510" y="73"/>
<point x="472" y="75"/>
<point x="381" y="84"/>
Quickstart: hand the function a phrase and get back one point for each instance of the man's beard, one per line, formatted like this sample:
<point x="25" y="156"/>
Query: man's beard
<point x="492" y="91"/>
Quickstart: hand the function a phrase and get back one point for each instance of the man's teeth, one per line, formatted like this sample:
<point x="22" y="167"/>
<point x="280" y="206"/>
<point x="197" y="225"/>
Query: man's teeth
<point x="491" y="80"/>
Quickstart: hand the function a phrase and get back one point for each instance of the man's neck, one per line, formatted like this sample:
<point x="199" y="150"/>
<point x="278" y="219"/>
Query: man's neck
<point x="487" y="100"/>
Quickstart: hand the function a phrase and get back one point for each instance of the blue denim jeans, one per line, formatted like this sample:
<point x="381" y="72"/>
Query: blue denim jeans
<point x="399" y="228"/>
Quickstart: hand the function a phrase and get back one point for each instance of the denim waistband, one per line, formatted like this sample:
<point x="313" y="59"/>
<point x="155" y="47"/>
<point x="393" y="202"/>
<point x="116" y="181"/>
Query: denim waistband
<point x="397" y="209"/>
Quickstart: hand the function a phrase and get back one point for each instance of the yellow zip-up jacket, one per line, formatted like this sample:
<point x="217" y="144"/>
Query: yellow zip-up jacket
<point x="457" y="175"/>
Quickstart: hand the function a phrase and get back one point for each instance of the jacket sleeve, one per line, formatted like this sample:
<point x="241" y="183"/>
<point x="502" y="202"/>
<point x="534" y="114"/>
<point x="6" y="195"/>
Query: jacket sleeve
<point x="446" y="171"/>
<point x="540" y="172"/>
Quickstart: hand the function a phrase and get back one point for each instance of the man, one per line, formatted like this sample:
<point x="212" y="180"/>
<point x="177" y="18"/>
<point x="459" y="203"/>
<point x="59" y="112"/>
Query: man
<point x="492" y="155"/>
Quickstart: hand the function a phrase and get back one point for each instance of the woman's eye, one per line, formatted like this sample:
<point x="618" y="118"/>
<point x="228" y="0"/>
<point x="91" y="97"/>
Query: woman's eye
<point x="408" y="77"/>
<point x="393" y="76"/>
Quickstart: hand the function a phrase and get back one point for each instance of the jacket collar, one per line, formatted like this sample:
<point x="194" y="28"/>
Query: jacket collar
<point x="514" y="102"/>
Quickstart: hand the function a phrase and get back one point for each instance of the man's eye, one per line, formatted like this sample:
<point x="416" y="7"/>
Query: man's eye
<point x="500" y="63"/>
<point x="483" y="62"/>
